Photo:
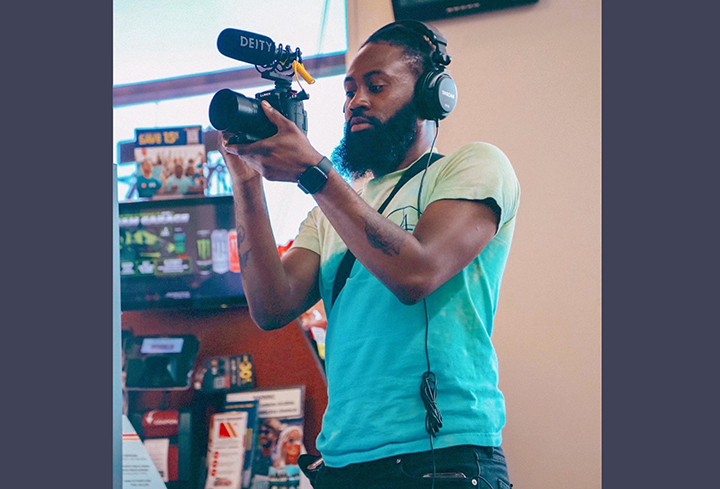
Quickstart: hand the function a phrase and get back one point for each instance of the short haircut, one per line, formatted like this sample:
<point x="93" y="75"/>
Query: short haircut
<point x="417" y="47"/>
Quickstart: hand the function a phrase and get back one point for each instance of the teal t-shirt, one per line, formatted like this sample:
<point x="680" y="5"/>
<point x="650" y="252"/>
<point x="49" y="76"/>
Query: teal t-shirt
<point x="375" y="345"/>
<point x="147" y="187"/>
<point x="183" y="184"/>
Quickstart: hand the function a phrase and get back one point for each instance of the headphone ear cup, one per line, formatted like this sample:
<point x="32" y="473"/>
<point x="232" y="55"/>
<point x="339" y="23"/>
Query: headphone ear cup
<point x="435" y="94"/>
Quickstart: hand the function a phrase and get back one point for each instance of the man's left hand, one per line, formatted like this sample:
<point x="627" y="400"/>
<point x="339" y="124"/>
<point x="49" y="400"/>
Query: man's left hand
<point x="281" y="157"/>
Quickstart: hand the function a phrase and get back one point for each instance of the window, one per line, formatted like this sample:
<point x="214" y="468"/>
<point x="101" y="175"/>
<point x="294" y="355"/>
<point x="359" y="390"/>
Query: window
<point x="172" y="43"/>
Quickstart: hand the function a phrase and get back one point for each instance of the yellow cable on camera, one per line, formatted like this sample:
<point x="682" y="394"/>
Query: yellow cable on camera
<point x="299" y="68"/>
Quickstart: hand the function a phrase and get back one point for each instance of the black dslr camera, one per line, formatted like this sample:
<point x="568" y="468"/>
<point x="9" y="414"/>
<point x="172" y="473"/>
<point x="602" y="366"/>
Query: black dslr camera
<point x="234" y="112"/>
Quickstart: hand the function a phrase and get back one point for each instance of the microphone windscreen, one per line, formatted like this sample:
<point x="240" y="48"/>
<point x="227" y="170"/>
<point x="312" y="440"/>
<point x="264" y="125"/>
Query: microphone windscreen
<point x="246" y="46"/>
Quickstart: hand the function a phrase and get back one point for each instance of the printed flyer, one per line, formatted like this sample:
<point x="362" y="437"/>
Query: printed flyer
<point x="138" y="470"/>
<point x="279" y="440"/>
<point x="226" y="450"/>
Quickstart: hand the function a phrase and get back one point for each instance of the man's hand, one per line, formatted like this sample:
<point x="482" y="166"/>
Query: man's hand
<point x="281" y="157"/>
<point x="239" y="169"/>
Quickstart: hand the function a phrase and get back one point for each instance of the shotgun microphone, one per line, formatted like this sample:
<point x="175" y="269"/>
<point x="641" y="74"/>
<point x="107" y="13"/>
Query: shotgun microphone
<point x="252" y="48"/>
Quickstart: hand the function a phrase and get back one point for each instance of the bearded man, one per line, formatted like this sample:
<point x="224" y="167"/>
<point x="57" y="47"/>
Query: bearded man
<point x="410" y="292"/>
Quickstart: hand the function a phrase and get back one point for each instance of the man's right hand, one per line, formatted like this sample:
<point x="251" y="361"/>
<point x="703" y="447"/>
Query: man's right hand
<point x="239" y="170"/>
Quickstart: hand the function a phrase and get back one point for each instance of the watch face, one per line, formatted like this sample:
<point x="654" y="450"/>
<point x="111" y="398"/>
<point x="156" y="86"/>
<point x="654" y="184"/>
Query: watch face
<point x="312" y="180"/>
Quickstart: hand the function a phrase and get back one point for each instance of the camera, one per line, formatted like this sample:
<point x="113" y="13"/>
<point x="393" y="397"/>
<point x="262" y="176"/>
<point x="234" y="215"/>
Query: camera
<point x="234" y="112"/>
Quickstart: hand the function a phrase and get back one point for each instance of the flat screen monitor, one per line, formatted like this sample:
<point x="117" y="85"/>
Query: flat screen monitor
<point x="440" y="9"/>
<point x="179" y="253"/>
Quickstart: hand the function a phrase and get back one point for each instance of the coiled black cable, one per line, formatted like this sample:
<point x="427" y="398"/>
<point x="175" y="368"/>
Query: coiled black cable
<point x="428" y="393"/>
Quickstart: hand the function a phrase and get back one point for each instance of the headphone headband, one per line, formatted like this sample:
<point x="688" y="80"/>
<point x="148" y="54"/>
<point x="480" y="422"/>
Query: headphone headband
<point x="434" y="36"/>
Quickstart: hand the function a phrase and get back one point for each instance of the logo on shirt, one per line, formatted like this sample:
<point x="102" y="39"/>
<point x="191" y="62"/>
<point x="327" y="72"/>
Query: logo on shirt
<point x="405" y="217"/>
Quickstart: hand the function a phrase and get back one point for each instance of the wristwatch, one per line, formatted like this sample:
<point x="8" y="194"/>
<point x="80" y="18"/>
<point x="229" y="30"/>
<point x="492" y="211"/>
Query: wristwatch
<point x="314" y="178"/>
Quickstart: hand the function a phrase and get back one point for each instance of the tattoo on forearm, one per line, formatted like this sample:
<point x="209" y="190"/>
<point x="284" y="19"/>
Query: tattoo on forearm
<point x="387" y="243"/>
<point x="242" y="257"/>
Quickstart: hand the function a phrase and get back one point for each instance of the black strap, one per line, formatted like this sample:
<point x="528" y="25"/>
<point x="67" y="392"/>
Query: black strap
<point x="347" y="262"/>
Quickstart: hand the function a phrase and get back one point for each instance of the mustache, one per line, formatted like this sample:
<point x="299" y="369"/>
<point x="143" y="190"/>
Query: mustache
<point x="360" y="113"/>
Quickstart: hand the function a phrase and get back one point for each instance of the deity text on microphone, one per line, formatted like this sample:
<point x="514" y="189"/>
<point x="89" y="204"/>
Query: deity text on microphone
<point x="255" y="43"/>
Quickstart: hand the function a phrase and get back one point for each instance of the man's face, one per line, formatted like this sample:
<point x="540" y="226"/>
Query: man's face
<point x="146" y="167"/>
<point x="380" y="115"/>
<point x="179" y="170"/>
<point x="267" y="436"/>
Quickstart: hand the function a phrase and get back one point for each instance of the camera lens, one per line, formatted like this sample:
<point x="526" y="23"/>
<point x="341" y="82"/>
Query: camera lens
<point x="234" y="112"/>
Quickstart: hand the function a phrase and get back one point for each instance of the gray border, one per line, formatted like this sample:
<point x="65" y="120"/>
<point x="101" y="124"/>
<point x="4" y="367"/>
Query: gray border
<point x="56" y="237"/>
<point x="659" y="140"/>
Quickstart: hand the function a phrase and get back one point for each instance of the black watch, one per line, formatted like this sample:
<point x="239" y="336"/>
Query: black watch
<point x="314" y="178"/>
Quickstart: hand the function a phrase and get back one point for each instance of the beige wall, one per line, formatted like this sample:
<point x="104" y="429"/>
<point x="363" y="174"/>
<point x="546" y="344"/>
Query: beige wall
<point x="529" y="81"/>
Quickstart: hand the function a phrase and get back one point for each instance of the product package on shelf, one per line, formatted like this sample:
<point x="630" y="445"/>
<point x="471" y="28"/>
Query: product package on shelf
<point x="251" y="408"/>
<point x="279" y="439"/>
<point x="226" y="450"/>
<point x="226" y="373"/>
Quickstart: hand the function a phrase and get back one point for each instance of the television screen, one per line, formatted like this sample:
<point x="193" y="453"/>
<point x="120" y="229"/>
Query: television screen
<point x="440" y="9"/>
<point x="179" y="253"/>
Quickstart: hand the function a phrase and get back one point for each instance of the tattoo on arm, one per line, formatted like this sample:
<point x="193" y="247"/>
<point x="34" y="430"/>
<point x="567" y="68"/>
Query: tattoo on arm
<point x="387" y="243"/>
<point x="242" y="257"/>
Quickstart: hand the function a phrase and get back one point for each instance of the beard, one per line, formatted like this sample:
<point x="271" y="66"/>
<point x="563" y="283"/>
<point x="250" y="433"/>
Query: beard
<point x="379" y="149"/>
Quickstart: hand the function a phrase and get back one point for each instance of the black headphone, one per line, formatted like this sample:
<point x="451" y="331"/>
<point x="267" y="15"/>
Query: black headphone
<point x="435" y="91"/>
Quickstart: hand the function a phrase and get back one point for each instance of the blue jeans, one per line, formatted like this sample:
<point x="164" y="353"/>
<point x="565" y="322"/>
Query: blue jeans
<point x="455" y="467"/>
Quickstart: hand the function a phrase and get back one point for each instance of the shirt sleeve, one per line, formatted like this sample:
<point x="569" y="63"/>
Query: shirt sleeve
<point x="309" y="233"/>
<point x="478" y="171"/>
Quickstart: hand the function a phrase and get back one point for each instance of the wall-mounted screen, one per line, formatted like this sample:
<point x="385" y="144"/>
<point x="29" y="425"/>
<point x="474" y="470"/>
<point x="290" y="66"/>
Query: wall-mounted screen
<point x="440" y="9"/>
<point x="179" y="253"/>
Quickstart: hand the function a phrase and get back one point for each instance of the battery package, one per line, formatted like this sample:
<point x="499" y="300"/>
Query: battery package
<point x="226" y="374"/>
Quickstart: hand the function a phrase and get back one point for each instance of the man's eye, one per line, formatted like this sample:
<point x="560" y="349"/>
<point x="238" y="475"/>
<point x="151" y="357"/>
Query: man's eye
<point x="376" y="88"/>
<point x="349" y="93"/>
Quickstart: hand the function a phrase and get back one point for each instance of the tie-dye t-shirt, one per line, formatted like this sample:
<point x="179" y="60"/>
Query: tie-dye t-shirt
<point x="375" y="345"/>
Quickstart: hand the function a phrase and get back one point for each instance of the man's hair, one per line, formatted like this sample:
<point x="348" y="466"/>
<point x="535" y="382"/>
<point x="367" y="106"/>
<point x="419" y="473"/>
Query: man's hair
<point x="417" y="47"/>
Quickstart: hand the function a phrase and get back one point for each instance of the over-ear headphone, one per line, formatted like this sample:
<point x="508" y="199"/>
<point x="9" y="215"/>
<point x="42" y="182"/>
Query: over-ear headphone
<point x="435" y="91"/>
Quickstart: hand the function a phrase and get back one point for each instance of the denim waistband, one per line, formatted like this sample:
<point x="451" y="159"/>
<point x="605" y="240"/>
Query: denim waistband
<point x="460" y="453"/>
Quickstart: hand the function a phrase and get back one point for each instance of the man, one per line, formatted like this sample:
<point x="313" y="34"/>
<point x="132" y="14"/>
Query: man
<point x="180" y="183"/>
<point x="268" y="435"/>
<point x="198" y="180"/>
<point x="147" y="185"/>
<point x="420" y="299"/>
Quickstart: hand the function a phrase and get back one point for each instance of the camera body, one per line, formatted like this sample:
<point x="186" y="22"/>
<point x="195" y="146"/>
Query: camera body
<point x="234" y="112"/>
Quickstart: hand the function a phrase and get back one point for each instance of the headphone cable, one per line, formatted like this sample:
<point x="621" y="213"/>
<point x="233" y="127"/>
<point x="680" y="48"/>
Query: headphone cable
<point x="428" y="386"/>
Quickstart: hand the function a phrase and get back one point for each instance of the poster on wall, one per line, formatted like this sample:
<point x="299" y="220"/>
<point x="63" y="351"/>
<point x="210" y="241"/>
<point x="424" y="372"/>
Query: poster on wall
<point x="170" y="162"/>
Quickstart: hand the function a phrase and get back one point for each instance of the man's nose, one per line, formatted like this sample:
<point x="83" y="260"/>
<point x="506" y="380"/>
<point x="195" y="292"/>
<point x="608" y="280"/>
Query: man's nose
<point x="358" y="101"/>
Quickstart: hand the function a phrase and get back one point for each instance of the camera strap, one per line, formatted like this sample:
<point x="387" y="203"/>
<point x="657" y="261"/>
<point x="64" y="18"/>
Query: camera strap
<point x="347" y="262"/>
